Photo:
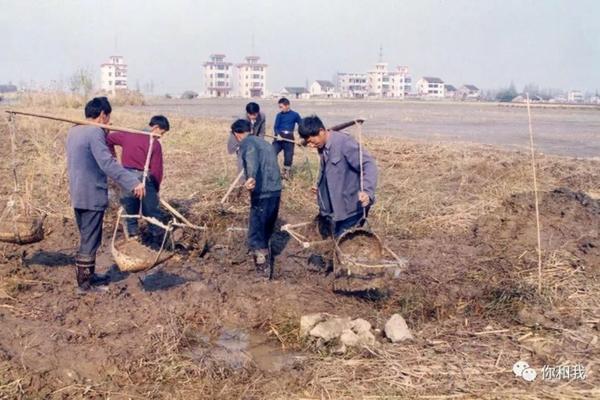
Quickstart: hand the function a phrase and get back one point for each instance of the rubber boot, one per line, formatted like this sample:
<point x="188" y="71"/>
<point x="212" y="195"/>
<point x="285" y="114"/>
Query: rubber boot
<point x="85" y="267"/>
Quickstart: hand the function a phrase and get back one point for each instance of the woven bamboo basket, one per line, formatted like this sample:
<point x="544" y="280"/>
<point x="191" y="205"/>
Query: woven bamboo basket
<point x="132" y="256"/>
<point x="361" y="262"/>
<point x="23" y="230"/>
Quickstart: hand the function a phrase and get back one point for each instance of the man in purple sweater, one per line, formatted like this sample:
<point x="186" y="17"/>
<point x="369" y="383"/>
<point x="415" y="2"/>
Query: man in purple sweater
<point x="133" y="157"/>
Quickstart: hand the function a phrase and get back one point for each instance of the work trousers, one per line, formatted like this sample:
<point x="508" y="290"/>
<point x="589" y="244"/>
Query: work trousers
<point x="263" y="215"/>
<point x="150" y="207"/>
<point x="89" y="223"/>
<point x="288" y="151"/>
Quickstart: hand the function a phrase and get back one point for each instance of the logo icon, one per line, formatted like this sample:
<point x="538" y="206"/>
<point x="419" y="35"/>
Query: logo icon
<point x="522" y="369"/>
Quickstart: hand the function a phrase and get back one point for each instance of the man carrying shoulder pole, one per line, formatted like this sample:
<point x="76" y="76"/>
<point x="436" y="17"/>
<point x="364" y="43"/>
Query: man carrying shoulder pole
<point x="89" y="162"/>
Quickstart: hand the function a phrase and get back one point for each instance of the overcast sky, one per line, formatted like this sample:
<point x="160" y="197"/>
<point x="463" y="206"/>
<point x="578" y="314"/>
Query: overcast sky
<point x="554" y="43"/>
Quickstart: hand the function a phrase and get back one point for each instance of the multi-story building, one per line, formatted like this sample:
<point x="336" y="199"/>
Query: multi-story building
<point x="113" y="75"/>
<point x="217" y="76"/>
<point x="400" y="82"/>
<point x="352" y="84"/>
<point x="430" y="87"/>
<point x="252" y="78"/>
<point x="385" y="83"/>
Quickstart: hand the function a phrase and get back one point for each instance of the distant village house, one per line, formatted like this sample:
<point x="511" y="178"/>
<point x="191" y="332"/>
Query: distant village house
<point x="295" y="92"/>
<point x="469" y="92"/>
<point x="431" y="87"/>
<point x="323" y="89"/>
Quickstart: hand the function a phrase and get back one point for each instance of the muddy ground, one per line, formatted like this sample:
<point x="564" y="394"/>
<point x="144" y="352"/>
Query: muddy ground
<point x="207" y="325"/>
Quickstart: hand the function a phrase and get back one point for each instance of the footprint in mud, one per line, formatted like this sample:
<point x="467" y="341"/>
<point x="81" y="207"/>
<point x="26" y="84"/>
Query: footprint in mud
<point x="161" y="280"/>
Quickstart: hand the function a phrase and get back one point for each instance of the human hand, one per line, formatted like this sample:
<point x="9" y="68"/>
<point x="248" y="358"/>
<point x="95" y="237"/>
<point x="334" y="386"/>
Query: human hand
<point x="364" y="198"/>
<point x="313" y="190"/>
<point x="139" y="191"/>
<point x="250" y="184"/>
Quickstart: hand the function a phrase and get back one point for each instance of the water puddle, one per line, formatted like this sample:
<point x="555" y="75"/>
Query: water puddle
<point x="238" y="348"/>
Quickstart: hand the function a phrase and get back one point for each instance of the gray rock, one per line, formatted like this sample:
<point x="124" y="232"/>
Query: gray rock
<point x="349" y="338"/>
<point x="360" y="325"/>
<point x="366" y="338"/>
<point x="331" y="328"/>
<point x="307" y="322"/>
<point x="396" y="329"/>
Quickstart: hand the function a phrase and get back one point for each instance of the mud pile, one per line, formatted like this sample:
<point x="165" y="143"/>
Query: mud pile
<point x="569" y="223"/>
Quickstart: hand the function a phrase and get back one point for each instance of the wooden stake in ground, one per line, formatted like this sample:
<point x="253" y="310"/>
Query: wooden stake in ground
<point x="535" y="191"/>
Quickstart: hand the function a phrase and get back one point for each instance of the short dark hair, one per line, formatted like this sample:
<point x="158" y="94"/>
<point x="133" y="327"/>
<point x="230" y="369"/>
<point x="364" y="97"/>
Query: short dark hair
<point x="93" y="108"/>
<point x="241" y="126"/>
<point x="310" y="126"/>
<point x="284" y="101"/>
<point x="161" y="121"/>
<point x="105" y="105"/>
<point x="252" y="108"/>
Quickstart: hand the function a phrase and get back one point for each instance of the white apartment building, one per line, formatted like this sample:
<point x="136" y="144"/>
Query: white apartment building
<point x="251" y="78"/>
<point x="391" y="84"/>
<point x="352" y="84"/>
<point x="431" y="87"/>
<point x="217" y="76"/>
<point x="400" y="82"/>
<point x="113" y="75"/>
<point x="575" y="96"/>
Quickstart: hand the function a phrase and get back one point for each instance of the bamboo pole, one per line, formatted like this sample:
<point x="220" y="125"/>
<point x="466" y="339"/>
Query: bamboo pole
<point x="83" y="122"/>
<point x="535" y="191"/>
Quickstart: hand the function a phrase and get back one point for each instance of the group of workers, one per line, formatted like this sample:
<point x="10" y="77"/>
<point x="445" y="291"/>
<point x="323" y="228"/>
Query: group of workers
<point x="91" y="158"/>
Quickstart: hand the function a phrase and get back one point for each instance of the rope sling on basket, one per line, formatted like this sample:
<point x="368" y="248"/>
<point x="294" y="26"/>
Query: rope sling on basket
<point x="18" y="223"/>
<point x="131" y="255"/>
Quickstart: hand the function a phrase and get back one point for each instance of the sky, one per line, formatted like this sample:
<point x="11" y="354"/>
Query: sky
<point x="489" y="43"/>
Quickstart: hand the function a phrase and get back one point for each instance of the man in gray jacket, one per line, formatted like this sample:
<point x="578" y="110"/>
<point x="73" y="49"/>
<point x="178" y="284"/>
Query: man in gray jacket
<point x="89" y="162"/>
<point x="341" y="201"/>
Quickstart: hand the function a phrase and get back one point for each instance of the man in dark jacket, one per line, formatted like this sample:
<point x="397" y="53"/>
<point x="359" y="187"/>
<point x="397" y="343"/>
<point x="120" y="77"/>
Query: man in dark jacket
<point x="264" y="182"/>
<point x="339" y="195"/>
<point x="89" y="162"/>
<point x="285" y="122"/>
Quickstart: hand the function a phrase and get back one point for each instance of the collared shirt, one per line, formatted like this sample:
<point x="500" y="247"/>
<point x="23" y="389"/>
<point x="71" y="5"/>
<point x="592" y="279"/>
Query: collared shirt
<point x="285" y="122"/>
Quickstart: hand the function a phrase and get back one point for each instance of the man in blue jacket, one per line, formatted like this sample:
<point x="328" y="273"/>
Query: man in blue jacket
<point x="264" y="182"/>
<point x="285" y="122"/>
<point x="89" y="162"/>
<point x="341" y="201"/>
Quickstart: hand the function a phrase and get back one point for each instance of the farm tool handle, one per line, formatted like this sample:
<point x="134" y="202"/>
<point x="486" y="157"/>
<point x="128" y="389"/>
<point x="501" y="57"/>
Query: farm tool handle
<point x="336" y="128"/>
<point x="83" y="122"/>
<point x="177" y="214"/>
<point x="13" y="150"/>
<point x="360" y="160"/>
<point x="233" y="184"/>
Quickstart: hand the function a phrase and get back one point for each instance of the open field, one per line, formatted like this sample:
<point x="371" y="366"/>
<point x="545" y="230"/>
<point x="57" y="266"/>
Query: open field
<point x="563" y="130"/>
<point x="208" y="327"/>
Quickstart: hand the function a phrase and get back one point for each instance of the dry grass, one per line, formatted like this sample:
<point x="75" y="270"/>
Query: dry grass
<point x="465" y="349"/>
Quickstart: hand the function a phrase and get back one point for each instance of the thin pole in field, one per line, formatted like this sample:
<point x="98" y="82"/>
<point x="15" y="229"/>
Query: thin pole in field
<point x="535" y="191"/>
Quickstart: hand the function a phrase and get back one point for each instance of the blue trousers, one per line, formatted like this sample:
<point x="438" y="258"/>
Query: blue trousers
<point x="288" y="151"/>
<point x="261" y="224"/>
<point x="150" y="207"/>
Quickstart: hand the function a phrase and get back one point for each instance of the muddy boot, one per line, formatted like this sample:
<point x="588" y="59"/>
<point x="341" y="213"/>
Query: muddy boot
<point x="87" y="280"/>
<point x="261" y="261"/>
